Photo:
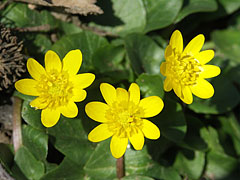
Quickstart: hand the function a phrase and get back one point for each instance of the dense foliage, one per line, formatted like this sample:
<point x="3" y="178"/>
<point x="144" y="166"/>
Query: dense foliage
<point x="126" y="44"/>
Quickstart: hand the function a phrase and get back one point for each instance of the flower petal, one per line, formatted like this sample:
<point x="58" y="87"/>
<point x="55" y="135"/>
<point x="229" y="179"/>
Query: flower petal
<point x="79" y="95"/>
<point x="163" y="68"/>
<point x="27" y="86"/>
<point x="50" y="117"/>
<point x="39" y="103"/>
<point x="177" y="89"/>
<point x="108" y="93"/>
<point x="97" y="111"/>
<point x="83" y="80"/>
<point x="72" y="61"/>
<point x="151" y="106"/>
<point x="203" y="89"/>
<point x="205" y="56"/>
<point x="168" y="52"/>
<point x="150" y="130"/>
<point x="195" y="45"/>
<point x="35" y="69"/>
<point x="210" y="71"/>
<point x="176" y="41"/>
<point x="100" y="133"/>
<point x="118" y="146"/>
<point x="52" y="61"/>
<point x="137" y="140"/>
<point x="187" y="95"/>
<point x="70" y="110"/>
<point x="134" y="93"/>
<point x="167" y="85"/>
<point x="122" y="95"/>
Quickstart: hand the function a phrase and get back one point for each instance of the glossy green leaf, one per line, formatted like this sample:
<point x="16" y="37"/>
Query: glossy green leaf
<point x="71" y="139"/>
<point x="151" y="85"/>
<point x="31" y="116"/>
<point x="230" y="5"/>
<point x="6" y="156"/>
<point x="228" y="41"/>
<point x="144" y="54"/>
<point x="190" y="163"/>
<point x="161" y="13"/>
<point x="194" y="6"/>
<point x="86" y="41"/>
<point x="222" y="101"/>
<point x="171" y="121"/>
<point x="101" y="164"/>
<point x="29" y="165"/>
<point x="36" y="141"/>
<point x="42" y="42"/>
<point x="136" y="177"/>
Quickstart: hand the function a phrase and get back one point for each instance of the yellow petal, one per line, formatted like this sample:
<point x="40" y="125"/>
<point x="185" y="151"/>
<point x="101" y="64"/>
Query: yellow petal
<point x="151" y="106"/>
<point x="39" y="103"/>
<point x="35" y="69"/>
<point x="137" y="140"/>
<point x="97" y="111"/>
<point x="203" y="89"/>
<point x="108" y="93"/>
<point x="167" y="84"/>
<point x="70" y="110"/>
<point x="52" y="61"/>
<point x="176" y="41"/>
<point x="27" y="86"/>
<point x="49" y="117"/>
<point x="122" y="95"/>
<point x="195" y="45"/>
<point x="210" y="71"/>
<point x="79" y="94"/>
<point x="177" y="89"/>
<point x="187" y="95"/>
<point x="168" y="52"/>
<point x="72" y="62"/>
<point x="118" y="146"/>
<point x="163" y="68"/>
<point x="205" y="56"/>
<point x="100" y="133"/>
<point x="150" y="130"/>
<point x="134" y="93"/>
<point x="83" y="80"/>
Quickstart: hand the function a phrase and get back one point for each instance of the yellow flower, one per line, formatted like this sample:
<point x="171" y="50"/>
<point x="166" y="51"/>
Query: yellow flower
<point x="57" y="86"/>
<point x="123" y="118"/>
<point x="185" y="70"/>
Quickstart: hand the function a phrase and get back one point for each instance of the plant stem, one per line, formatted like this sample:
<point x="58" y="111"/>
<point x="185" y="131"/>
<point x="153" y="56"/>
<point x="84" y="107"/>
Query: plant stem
<point x="120" y="167"/>
<point x="17" y="133"/>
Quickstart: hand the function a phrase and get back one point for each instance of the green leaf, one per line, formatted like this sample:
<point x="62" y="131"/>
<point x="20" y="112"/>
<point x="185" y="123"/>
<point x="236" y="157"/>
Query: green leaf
<point x="194" y="6"/>
<point x="66" y="170"/>
<point x="31" y="168"/>
<point x="23" y="96"/>
<point x="136" y="177"/>
<point x="151" y="85"/>
<point x="101" y="164"/>
<point x="190" y="163"/>
<point x="145" y="55"/>
<point x="69" y="28"/>
<point x="228" y="41"/>
<point x="43" y="43"/>
<point x="36" y="141"/>
<point x="230" y="5"/>
<point x="6" y="156"/>
<point x="221" y="102"/>
<point x="22" y="16"/>
<point x="220" y="165"/>
<point x="171" y="121"/>
<point x="71" y="139"/>
<point x="132" y="14"/>
<point x="31" y="116"/>
<point x="86" y="41"/>
<point x="161" y="13"/>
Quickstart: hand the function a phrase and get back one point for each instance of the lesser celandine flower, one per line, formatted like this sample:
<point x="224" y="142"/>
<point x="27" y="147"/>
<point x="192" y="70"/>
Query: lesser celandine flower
<point x="57" y="86"/>
<point x="186" y="70"/>
<point x="123" y="118"/>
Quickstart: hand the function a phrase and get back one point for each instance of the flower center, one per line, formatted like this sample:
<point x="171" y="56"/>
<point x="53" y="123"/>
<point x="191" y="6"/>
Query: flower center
<point x="123" y="118"/>
<point x="185" y="69"/>
<point x="55" y="88"/>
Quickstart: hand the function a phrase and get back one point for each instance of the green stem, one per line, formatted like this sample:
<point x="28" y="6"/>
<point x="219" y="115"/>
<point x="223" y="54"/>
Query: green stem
<point x="120" y="167"/>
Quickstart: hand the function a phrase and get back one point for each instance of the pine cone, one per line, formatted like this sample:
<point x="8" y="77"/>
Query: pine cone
<point x="11" y="59"/>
